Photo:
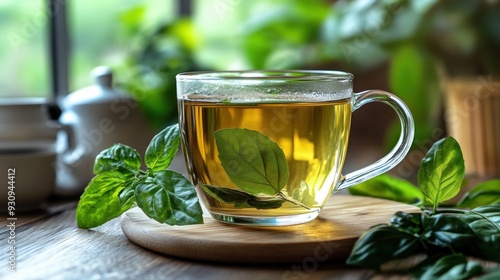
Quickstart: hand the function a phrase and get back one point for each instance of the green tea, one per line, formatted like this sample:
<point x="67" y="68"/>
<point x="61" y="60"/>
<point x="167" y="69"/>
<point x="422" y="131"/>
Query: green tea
<point x="313" y="137"/>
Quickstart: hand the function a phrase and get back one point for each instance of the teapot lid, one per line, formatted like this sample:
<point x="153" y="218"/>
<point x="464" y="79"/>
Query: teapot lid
<point x="101" y="92"/>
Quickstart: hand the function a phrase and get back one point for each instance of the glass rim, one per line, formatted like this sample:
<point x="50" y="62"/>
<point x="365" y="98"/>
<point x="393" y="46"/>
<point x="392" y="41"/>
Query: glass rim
<point x="268" y="75"/>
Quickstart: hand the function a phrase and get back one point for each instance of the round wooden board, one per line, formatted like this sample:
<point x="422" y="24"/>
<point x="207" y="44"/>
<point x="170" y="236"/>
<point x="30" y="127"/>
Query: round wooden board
<point x="331" y="236"/>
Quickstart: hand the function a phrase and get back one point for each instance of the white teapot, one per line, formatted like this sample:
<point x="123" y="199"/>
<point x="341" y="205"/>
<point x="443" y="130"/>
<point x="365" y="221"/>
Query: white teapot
<point x="95" y="118"/>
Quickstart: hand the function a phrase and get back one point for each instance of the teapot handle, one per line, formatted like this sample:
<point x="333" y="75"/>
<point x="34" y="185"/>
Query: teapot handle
<point x="73" y="153"/>
<point x="70" y="137"/>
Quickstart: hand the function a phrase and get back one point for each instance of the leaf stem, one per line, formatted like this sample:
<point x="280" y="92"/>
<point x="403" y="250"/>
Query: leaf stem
<point x="293" y="201"/>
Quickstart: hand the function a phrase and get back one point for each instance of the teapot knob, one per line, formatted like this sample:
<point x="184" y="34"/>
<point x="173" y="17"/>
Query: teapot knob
<point x="54" y="111"/>
<point x="103" y="76"/>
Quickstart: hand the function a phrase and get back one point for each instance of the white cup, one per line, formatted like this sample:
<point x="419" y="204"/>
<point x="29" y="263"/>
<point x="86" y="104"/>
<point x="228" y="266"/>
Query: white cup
<point x="28" y="177"/>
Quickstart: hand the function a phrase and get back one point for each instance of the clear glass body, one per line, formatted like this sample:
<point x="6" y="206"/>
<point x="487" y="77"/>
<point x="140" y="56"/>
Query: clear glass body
<point x="307" y="114"/>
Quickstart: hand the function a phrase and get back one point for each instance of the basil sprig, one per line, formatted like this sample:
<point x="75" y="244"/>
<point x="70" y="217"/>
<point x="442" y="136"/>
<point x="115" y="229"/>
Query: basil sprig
<point x="163" y="195"/>
<point x="448" y="237"/>
<point x="258" y="167"/>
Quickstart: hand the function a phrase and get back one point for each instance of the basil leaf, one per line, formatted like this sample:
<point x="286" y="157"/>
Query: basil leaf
<point x="387" y="187"/>
<point x="126" y="195"/>
<point x="252" y="161"/>
<point x="226" y="195"/>
<point x="266" y="203"/>
<point x="441" y="171"/>
<point x="242" y="199"/>
<point x="408" y="222"/>
<point x="162" y="149"/>
<point x="117" y="157"/>
<point x="482" y="250"/>
<point x="100" y="202"/>
<point x="381" y="244"/>
<point x="454" y="266"/>
<point x="491" y="274"/>
<point x="420" y="268"/>
<point x="485" y="223"/>
<point x="447" y="231"/>
<point x="168" y="197"/>
<point x="483" y="194"/>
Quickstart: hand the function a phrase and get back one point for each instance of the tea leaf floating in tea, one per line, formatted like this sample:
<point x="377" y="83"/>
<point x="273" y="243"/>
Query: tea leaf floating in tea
<point x="226" y="195"/>
<point x="303" y="194"/>
<point x="252" y="161"/>
<point x="256" y="165"/>
<point x="242" y="199"/>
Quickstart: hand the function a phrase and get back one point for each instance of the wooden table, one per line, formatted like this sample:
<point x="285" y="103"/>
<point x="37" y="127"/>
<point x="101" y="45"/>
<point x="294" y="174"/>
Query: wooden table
<point x="49" y="245"/>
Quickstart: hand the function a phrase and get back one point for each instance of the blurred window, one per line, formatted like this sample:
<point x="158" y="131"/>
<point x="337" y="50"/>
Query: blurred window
<point x="24" y="63"/>
<point x="105" y="32"/>
<point x="100" y="33"/>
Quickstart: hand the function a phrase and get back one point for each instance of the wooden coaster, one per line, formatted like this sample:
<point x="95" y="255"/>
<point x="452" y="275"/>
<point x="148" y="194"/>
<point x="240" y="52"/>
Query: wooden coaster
<point x="331" y="236"/>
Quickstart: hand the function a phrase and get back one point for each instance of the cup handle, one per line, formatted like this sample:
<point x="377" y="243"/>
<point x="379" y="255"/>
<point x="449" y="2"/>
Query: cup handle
<point x="397" y="153"/>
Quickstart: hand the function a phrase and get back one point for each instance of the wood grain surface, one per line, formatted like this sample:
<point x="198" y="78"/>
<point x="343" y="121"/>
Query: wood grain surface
<point x="53" y="247"/>
<point x="329" y="237"/>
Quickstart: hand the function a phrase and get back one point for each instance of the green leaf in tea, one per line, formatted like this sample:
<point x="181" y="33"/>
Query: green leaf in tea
<point x="387" y="187"/>
<point x="162" y="149"/>
<point x="226" y="195"/>
<point x="252" y="161"/>
<point x="441" y="171"/>
<point x="483" y="194"/>
<point x="241" y="199"/>
<point x="169" y="198"/>
<point x="117" y="157"/>
<point x="304" y="195"/>
<point x="262" y="203"/>
<point x="101" y="201"/>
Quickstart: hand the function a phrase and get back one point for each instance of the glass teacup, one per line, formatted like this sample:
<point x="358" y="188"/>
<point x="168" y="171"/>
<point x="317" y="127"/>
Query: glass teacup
<point x="268" y="147"/>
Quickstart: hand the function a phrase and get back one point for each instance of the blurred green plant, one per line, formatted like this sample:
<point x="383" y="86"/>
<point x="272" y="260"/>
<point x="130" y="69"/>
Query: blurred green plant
<point x="271" y="34"/>
<point x="283" y="34"/>
<point x="422" y="40"/>
<point x="151" y="73"/>
<point x="417" y="38"/>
